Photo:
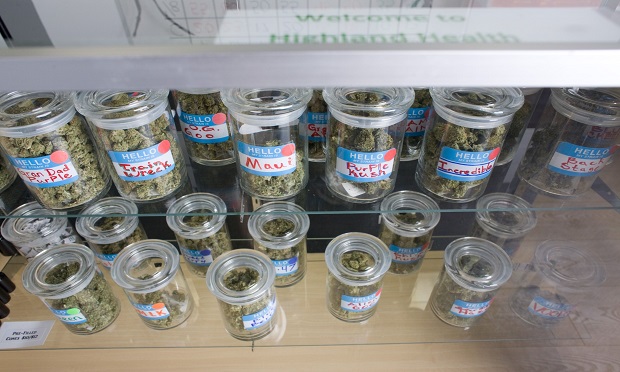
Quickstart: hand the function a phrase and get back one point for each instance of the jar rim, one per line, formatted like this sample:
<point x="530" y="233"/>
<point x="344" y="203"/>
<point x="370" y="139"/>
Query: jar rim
<point x="492" y="254"/>
<point x="410" y="200"/>
<point x="13" y="226"/>
<point x="240" y="258"/>
<point x="518" y="208"/>
<point x="496" y="106"/>
<point x="135" y="254"/>
<point x="33" y="277"/>
<point x="151" y="105"/>
<point x="590" y="106"/>
<point x="276" y="210"/>
<point x="266" y="107"/>
<point x="86" y="224"/>
<point x="198" y="90"/>
<point x="357" y="242"/>
<point x="192" y="202"/>
<point x="55" y="113"/>
<point x="568" y="265"/>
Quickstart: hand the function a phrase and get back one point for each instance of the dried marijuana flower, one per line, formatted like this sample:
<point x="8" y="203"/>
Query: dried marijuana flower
<point x="417" y="118"/>
<point x="365" y="133"/>
<point x="407" y="252"/>
<point x="135" y="130"/>
<point x="164" y="308"/>
<point x="7" y="173"/>
<point x="464" y="139"/>
<point x="203" y="121"/>
<point x="316" y="126"/>
<point x="576" y="137"/>
<point x="51" y="149"/>
<point x="216" y="244"/>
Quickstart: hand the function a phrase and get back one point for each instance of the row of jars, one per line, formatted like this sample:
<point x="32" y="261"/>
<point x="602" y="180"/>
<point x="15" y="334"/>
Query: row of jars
<point x="459" y="135"/>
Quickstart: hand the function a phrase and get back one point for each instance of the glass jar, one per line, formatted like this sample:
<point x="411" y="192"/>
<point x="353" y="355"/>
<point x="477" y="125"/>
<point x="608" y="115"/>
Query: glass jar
<point x="243" y="283"/>
<point x="7" y="173"/>
<point x="136" y="131"/>
<point x="463" y="140"/>
<point x="202" y="235"/>
<point x="576" y="136"/>
<point x="269" y="146"/>
<point x="417" y="119"/>
<point x="202" y="116"/>
<point x="315" y="121"/>
<point x="51" y="149"/>
<point x="557" y="281"/>
<point x="366" y="127"/>
<point x="66" y="279"/>
<point x="34" y="229"/>
<point x="279" y="230"/>
<point x="150" y="274"/>
<point x="407" y="222"/>
<point x="502" y="217"/>
<point x="519" y="123"/>
<point x="356" y="265"/>
<point x="474" y="269"/>
<point x="108" y="226"/>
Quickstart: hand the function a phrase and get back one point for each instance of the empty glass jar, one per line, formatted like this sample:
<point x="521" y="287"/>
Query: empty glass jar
<point x="518" y="125"/>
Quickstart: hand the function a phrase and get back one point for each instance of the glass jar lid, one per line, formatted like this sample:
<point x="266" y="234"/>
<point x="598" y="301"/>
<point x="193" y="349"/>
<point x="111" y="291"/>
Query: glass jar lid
<point x="505" y="215"/>
<point x="34" y="225"/>
<point x="75" y="260"/>
<point x="368" y="107"/>
<point x="199" y="225"/>
<point x="113" y="109"/>
<point x="107" y="221"/>
<point x="146" y="266"/>
<point x="421" y="216"/>
<point x="279" y="225"/>
<point x="253" y="264"/>
<point x="568" y="265"/>
<point x="346" y="248"/>
<point x="266" y="107"/>
<point x="477" y="264"/>
<point x="590" y="106"/>
<point x="29" y="114"/>
<point x="529" y="91"/>
<point x="480" y="108"/>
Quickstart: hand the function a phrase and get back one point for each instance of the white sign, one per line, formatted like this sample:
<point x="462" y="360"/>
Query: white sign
<point x="16" y="335"/>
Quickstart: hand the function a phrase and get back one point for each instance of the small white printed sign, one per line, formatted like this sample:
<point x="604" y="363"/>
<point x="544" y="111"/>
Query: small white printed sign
<point x="15" y="335"/>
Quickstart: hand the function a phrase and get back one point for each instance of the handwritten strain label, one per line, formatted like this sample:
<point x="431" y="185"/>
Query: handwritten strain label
<point x="549" y="310"/>
<point x="466" y="166"/>
<point x="286" y="267"/>
<point x="52" y="170"/>
<point x="204" y="128"/>
<point x="152" y="312"/>
<point x="267" y="160"/>
<point x="106" y="259"/>
<point x="469" y="309"/>
<point x="200" y="258"/>
<point x="316" y="126"/>
<point x="70" y="316"/>
<point x="407" y="255"/>
<point x="142" y="165"/>
<point x="359" y="304"/>
<point x="416" y="121"/>
<point x="365" y="166"/>
<point x="573" y="160"/>
<point x="260" y="318"/>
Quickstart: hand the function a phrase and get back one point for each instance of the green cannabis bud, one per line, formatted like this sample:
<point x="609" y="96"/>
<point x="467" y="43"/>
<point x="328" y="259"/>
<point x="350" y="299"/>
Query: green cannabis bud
<point x="109" y="223"/>
<point x="515" y="132"/>
<point x="203" y="121"/>
<point x="417" y="117"/>
<point x="407" y="252"/>
<point x="7" y="173"/>
<point x="316" y="122"/>
<point x="96" y="302"/>
<point x="171" y="301"/>
<point x="217" y="243"/>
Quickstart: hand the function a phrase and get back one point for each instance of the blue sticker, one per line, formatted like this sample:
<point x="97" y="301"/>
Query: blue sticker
<point x="267" y="160"/>
<point x="359" y="166"/>
<point x="573" y="160"/>
<point x="466" y="166"/>
<point x="407" y="255"/>
<point x="260" y="318"/>
<point x="52" y="170"/>
<point x="469" y="309"/>
<point x="200" y="258"/>
<point x="286" y="267"/>
<point x="417" y="119"/>
<point x="549" y="310"/>
<point x="359" y="304"/>
<point x="204" y="128"/>
<point x="142" y="165"/>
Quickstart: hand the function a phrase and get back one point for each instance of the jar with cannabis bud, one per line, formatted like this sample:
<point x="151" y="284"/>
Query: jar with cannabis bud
<point x="502" y="219"/>
<point x="136" y="131"/>
<point x="417" y="119"/>
<point x="243" y="283"/>
<point x="519" y="124"/>
<point x="407" y="222"/>
<point x="279" y="230"/>
<point x="108" y="226"/>
<point x="202" y="116"/>
<point x="464" y="139"/>
<point x="366" y="128"/>
<point x="270" y="149"/>
<point x="576" y="137"/>
<point x="149" y="272"/>
<point x="68" y="282"/>
<point x="51" y="149"/>
<point x="474" y="269"/>
<point x="36" y="229"/>
<point x="356" y="265"/>
<point x="315" y="123"/>
<point x="7" y="173"/>
<point x="199" y="224"/>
